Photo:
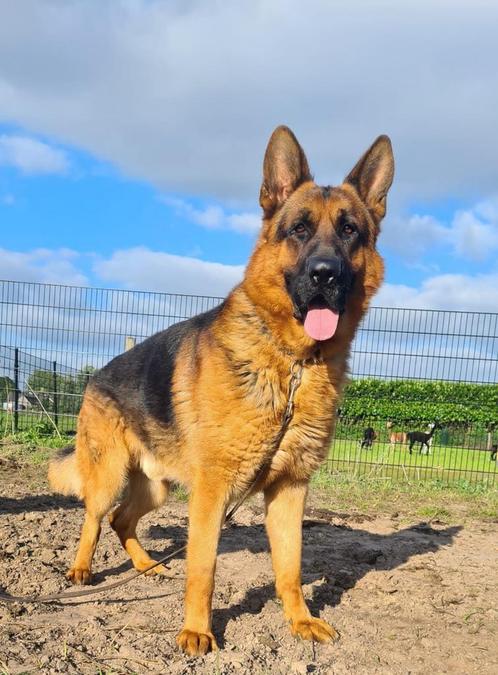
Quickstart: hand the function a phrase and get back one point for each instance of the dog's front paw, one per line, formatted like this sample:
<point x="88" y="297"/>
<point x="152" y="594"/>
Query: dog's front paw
<point x="80" y="575"/>
<point x="314" y="629"/>
<point x="195" y="644"/>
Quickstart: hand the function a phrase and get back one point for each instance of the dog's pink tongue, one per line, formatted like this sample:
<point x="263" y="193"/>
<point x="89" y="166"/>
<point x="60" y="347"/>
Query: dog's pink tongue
<point x="321" y="324"/>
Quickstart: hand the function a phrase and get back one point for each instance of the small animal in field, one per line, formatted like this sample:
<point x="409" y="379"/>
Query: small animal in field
<point x="397" y="438"/>
<point x="431" y="439"/>
<point x="202" y="402"/>
<point x="421" y="437"/>
<point x="369" y="437"/>
<point x="494" y="451"/>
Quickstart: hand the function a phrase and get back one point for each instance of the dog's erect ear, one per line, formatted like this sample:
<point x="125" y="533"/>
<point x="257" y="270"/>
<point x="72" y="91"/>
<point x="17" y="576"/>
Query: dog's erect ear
<point x="284" y="169"/>
<point x="372" y="177"/>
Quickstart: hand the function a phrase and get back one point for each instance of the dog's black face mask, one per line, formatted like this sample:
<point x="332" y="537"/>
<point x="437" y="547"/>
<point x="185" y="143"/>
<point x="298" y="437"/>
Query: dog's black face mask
<point x="319" y="291"/>
<point x="319" y="283"/>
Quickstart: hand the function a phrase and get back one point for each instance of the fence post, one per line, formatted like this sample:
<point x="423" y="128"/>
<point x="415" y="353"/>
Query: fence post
<point x="16" y="390"/>
<point x="56" y="403"/>
<point x="130" y="342"/>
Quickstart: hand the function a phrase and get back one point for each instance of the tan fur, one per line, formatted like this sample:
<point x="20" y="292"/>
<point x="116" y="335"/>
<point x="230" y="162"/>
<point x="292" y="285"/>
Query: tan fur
<point x="229" y="390"/>
<point x="64" y="477"/>
<point x="397" y="437"/>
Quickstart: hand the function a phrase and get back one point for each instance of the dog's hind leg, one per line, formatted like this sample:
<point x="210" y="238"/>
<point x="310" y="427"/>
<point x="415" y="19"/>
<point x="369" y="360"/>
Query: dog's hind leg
<point x="103" y="482"/>
<point x="142" y="495"/>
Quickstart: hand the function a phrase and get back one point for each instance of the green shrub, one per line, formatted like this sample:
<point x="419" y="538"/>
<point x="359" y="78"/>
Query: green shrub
<point x="455" y="405"/>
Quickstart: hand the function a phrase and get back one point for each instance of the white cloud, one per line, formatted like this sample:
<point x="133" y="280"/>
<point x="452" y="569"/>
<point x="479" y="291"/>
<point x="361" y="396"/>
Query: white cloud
<point x="459" y="292"/>
<point x="473" y="237"/>
<point x="185" y="94"/>
<point x="140" y="268"/>
<point x="213" y="217"/>
<point x="471" y="233"/>
<point x="247" y="223"/>
<point x="412" y="237"/>
<point x="31" y="156"/>
<point x="43" y="265"/>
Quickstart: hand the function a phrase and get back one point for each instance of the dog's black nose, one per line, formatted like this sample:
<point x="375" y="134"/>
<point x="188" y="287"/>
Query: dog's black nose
<point x="323" y="271"/>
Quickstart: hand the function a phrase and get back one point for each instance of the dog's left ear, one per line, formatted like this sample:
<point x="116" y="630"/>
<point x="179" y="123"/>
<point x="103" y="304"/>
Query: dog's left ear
<point x="373" y="175"/>
<point x="285" y="167"/>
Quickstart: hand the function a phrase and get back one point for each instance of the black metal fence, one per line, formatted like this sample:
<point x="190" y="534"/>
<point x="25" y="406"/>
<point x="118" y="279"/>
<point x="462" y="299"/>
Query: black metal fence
<point x="445" y="365"/>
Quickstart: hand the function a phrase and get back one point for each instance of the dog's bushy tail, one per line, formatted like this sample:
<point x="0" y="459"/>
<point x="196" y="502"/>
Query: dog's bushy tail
<point x="63" y="474"/>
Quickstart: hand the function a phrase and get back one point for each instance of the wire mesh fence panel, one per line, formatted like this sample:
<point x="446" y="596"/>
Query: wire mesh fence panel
<point x="410" y="370"/>
<point x="61" y="334"/>
<point x="453" y="453"/>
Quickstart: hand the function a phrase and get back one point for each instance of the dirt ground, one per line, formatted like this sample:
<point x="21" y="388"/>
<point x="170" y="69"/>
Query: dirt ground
<point x="406" y="598"/>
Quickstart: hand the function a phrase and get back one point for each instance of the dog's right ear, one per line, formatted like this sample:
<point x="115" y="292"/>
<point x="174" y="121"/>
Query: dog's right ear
<point x="285" y="167"/>
<point x="373" y="175"/>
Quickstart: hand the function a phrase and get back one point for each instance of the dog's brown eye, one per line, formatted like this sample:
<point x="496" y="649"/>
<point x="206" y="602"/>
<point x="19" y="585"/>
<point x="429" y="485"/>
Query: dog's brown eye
<point x="300" y="230"/>
<point x="348" y="229"/>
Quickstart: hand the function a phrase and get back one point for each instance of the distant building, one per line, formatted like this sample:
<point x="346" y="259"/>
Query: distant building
<point x="24" y="402"/>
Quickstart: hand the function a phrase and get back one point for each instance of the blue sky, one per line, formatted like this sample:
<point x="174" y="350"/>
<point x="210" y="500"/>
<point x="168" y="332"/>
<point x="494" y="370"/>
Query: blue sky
<point x="131" y="157"/>
<point x="92" y="207"/>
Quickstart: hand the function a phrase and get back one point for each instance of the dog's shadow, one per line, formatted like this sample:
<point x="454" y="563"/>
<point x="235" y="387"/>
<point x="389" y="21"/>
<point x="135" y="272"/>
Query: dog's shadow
<point x="336" y="555"/>
<point x="37" y="503"/>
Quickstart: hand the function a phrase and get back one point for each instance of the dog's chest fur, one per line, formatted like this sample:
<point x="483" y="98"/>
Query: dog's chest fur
<point x="306" y="440"/>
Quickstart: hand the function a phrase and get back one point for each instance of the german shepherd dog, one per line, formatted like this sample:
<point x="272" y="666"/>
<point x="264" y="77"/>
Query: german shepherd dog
<point x="200" y="402"/>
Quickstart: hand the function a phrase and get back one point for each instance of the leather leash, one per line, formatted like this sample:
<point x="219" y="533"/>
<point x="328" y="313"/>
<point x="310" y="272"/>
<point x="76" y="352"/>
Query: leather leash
<point x="296" y="372"/>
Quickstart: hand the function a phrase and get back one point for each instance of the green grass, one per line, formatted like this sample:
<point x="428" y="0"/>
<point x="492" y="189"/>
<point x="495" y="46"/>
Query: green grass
<point x="34" y="445"/>
<point x="28" y="420"/>
<point x="427" y="500"/>
<point x="180" y="493"/>
<point x="445" y="463"/>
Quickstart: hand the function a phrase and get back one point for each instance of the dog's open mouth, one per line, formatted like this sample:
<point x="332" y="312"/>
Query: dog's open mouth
<point x="320" y="322"/>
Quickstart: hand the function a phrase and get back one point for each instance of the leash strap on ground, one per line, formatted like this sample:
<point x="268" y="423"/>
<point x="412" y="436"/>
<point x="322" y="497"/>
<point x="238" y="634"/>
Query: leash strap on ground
<point x="54" y="597"/>
<point x="295" y="380"/>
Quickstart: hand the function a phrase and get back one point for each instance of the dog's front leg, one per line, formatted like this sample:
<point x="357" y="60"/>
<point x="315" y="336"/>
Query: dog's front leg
<point x="284" y="514"/>
<point x="206" y="513"/>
